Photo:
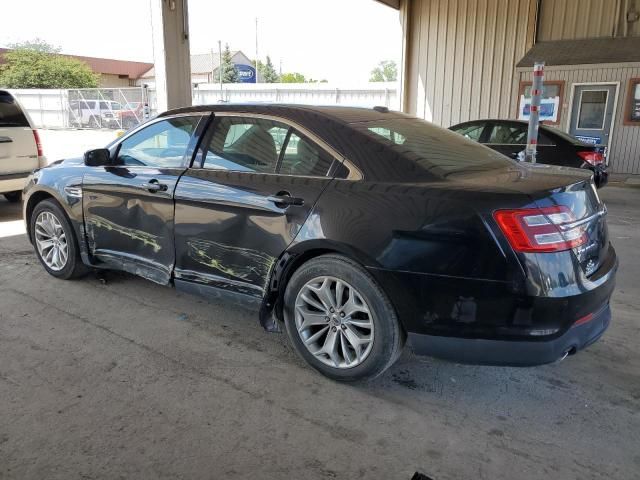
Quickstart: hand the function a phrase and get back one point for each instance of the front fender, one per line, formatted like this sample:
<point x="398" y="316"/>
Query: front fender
<point x="64" y="185"/>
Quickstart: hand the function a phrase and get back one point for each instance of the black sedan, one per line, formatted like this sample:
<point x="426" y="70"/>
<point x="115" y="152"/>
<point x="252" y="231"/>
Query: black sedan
<point x="554" y="147"/>
<point x="352" y="229"/>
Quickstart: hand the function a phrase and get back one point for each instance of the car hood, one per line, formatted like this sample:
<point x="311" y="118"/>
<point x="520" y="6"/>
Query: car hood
<point x="67" y="162"/>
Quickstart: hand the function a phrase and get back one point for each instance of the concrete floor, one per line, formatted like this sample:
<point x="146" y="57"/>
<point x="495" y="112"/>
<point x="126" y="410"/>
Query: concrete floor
<point x="131" y="380"/>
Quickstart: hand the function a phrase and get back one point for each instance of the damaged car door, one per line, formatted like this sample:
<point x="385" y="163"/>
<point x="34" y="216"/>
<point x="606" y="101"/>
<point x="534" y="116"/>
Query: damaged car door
<point x="250" y="190"/>
<point x="128" y="205"/>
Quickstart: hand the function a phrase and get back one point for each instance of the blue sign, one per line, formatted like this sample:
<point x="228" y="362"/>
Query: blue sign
<point x="547" y="109"/>
<point x="589" y="140"/>
<point x="246" y="73"/>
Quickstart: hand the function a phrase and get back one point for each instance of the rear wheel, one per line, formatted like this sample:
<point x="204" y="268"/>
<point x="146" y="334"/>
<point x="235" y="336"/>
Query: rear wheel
<point x="55" y="242"/>
<point x="13" y="197"/>
<point x="340" y="321"/>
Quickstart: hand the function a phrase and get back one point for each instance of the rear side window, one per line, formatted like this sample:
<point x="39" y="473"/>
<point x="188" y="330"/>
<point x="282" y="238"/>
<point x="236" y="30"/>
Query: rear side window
<point x="10" y="112"/>
<point x="505" y="134"/>
<point x="434" y="151"/>
<point x="245" y="145"/>
<point x="472" y="132"/>
<point x="303" y="157"/>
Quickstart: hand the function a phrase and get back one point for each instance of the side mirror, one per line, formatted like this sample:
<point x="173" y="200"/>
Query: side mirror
<point x="99" y="157"/>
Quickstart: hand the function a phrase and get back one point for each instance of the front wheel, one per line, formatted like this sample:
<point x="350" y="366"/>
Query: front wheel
<point x="340" y="321"/>
<point x="55" y="242"/>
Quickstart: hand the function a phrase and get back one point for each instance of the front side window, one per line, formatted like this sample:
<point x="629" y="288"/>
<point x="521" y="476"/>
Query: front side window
<point x="302" y="157"/>
<point x="162" y="144"/>
<point x="245" y="145"/>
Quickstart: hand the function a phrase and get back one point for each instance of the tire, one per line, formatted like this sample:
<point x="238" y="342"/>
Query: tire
<point x="72" y="266"/>
<point x="384" y="333"/>
<point x="13" y="197"/>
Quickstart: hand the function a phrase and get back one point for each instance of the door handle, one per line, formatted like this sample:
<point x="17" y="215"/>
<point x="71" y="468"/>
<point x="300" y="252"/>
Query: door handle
<point x="154" y="186"/>
<point x="6" y="140"/>
<point x="284" y="200"/>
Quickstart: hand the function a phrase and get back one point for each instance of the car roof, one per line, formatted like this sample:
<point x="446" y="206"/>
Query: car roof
<point x="339" y="114"/>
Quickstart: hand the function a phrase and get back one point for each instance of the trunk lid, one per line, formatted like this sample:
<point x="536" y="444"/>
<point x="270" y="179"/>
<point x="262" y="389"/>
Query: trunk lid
<point x="581" y="197"/>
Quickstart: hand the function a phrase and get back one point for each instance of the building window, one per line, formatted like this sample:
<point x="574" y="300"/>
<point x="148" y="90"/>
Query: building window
<point x="551" y="103"/>
<point x="632" y="110"/>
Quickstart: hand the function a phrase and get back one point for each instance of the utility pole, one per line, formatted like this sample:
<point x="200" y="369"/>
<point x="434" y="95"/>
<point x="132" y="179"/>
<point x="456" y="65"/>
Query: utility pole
<point x="220" y="68"/>
<point x="213" y="68"/>
<point x="256" y="45"/>
<point x="534" y="113"/>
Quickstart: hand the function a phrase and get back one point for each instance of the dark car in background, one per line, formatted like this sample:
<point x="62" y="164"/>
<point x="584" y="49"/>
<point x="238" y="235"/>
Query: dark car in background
<point x="353" y="229"/>
<point x="555" y="147"/>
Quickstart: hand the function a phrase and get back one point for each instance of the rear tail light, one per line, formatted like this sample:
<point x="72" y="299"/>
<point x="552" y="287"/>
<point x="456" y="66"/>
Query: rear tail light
<point x="592" y="158"/>
<point x="36" y="137"/>
<point x="547" y="229"/>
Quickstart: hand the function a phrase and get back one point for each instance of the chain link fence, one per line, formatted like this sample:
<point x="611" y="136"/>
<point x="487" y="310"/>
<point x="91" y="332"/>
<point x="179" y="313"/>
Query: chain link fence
<point x="112" y="108"/>
<point x="124" y="108"/>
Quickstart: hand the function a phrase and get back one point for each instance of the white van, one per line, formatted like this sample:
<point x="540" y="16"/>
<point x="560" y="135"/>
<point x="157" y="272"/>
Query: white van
<point x="94" y="113"/>
<point x="20" y="148"/>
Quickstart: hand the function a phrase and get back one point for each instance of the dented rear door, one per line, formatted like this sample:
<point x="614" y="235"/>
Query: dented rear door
<point x="241" y="205"/>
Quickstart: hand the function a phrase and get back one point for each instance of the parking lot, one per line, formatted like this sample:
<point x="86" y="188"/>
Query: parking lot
<point x="122" y="378"/>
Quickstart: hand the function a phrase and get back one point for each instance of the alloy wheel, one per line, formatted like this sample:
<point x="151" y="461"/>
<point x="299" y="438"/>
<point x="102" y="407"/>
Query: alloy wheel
<point x="334" y="322"/>
<point x="51" y="241"/>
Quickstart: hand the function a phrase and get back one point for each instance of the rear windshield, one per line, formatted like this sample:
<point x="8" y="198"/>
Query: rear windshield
<point x="434" y="149"/>
<point x="10" y="112"/>
<point x="564" y="135"/>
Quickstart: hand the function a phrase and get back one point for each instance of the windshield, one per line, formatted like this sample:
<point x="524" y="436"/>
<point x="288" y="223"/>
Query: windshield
<point x="433" y="149"/>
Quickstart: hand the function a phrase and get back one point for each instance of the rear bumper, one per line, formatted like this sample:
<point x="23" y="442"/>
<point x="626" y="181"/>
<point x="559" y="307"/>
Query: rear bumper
<point x="517" y="353"/>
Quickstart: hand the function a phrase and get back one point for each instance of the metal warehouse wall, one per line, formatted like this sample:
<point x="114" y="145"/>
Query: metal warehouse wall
<point x="461" y="55"/>
<point x="572" y="19"/>
<point x="624" y="155"/>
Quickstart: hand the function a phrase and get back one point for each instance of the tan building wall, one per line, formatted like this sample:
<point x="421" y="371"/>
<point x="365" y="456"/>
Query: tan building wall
<point x="624" y="152"/>
<point x="461" y="55"/>
<point x="113" y="81"/>
<point x="573" y="19"/>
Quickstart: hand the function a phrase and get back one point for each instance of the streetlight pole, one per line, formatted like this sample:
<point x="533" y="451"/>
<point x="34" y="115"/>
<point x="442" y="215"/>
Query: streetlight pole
<point x="534" y="114"/>
<point x="220" y="68"/>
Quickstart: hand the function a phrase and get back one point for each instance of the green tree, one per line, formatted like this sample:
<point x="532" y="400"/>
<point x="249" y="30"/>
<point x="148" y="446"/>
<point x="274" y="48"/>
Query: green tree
<point x="292" y="77"/>
<point x="36" y="44"/>
<point x="268" y="72"/>
<point x="35" y="64"/>
<point x="386" y="71"/>
<point x="228" y="68"/>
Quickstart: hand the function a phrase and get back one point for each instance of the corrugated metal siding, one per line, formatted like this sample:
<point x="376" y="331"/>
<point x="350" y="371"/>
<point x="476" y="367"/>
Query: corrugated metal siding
<point x="624" y="152"/>
<point x="571" y="19"/>
<point x="461" y="57"/>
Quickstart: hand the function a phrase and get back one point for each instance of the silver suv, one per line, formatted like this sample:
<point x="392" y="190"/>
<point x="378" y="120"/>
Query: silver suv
<point x="20" y="148"/>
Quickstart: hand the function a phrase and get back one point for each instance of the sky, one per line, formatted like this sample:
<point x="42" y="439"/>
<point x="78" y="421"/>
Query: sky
<point x="337" y="40"/>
